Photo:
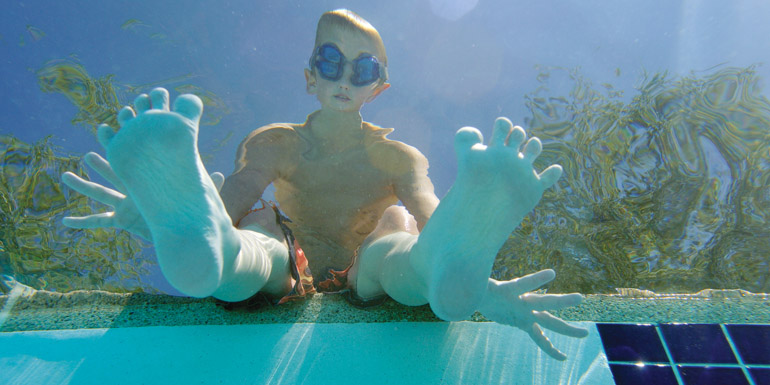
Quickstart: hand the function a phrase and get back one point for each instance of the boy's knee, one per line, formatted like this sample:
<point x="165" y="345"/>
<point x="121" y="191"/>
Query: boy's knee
<point x="395" y="219"/>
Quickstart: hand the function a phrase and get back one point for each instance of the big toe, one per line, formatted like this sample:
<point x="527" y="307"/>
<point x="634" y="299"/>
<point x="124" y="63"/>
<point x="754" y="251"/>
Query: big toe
<point x="189" y="106"/>
<point x="466" y="138"/>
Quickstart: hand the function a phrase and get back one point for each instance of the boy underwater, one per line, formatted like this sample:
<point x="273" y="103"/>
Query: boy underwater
<point x="339" y="179"/>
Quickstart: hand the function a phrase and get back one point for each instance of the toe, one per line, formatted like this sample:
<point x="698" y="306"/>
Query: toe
<point x="105" y="134"/>
<point x="500" y="132"/>
<point x="532" y="149"/>
<point x="142" y="103"/>
<point x="466" y="138"/>
<point x="550" y="175"/>
<point x="189" y="106"/>
<point x="516" y="138"/>
<point x="159" y="99"/>
<point x="125" y="114"/>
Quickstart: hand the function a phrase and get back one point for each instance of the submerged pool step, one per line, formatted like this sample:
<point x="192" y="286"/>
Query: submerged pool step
<point x="302" y="353"/>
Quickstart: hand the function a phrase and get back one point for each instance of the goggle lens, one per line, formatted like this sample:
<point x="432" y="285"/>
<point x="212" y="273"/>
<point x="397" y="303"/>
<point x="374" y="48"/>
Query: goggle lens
<point x="366" y="70"/>
<point x="330" y="63"/>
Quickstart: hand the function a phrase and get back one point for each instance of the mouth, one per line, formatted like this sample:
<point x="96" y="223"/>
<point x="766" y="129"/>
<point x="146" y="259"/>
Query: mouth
<point x="342" y="97"/>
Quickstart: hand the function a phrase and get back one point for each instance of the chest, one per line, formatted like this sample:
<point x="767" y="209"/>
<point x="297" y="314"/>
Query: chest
<point x="351" y="172"/>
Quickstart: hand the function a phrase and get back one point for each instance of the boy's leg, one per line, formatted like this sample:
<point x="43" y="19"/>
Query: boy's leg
<point x="261" y="265"/>
<point x="383" y="266"/>
<point x="155" y="156"/>
<point x="449" y="264"/>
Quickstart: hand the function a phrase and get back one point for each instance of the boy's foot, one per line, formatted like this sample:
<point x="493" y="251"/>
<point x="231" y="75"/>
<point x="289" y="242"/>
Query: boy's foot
<point x="155" y="156"/>
<point x="496" y="187"/>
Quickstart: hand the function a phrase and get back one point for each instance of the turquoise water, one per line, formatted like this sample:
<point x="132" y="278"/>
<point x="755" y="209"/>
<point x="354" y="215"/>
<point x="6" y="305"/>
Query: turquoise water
<point x="655" y="109"/>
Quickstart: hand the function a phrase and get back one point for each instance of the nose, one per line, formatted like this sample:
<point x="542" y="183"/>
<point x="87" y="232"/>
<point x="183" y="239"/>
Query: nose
<point x="347" y="75"/>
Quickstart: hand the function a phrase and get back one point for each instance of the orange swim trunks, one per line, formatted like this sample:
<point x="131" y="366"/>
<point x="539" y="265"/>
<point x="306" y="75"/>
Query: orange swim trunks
<point x="302" y="279"/>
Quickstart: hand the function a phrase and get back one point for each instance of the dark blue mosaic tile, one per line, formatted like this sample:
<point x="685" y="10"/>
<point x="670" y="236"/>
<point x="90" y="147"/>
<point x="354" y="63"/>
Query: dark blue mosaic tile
<point x="643" y="375"/>
<point x="698" y="343"/>
<point x="752" y="342"/>
<point x="696" y="375"/>
<point x="761" y="376"/>
<point x="633" y="343"/>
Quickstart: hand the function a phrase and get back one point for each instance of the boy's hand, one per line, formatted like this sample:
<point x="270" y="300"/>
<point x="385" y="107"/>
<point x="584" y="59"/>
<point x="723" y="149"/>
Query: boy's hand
<point x="125" y="216"/>
<point x="510" y="303"/>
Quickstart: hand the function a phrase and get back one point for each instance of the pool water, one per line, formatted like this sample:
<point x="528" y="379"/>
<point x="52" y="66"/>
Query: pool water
<point x="656" y="110"/>
<point x="92" y="337"/>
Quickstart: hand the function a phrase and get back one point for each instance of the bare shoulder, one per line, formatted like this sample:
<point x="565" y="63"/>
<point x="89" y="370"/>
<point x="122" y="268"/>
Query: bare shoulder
<point x="274" y="143"/>
<point x="276" y="134"/>
<point x="397" y="158"/>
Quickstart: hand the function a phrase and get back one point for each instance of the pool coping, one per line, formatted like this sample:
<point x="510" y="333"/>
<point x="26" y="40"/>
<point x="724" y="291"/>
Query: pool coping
<point x="25" y="309"/>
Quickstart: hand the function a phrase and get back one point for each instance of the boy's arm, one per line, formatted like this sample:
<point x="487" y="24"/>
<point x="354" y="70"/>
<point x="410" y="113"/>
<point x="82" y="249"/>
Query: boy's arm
<point x="241" y="190"/>
<point x="413" y="187"/>
<point x="261" y="158"/>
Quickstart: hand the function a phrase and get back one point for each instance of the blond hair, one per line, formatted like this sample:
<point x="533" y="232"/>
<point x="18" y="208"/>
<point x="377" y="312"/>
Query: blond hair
<point x="349" y="21"/>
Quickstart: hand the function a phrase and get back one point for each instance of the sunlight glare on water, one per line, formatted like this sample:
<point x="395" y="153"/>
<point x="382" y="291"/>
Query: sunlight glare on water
<point x="452" y="9"/>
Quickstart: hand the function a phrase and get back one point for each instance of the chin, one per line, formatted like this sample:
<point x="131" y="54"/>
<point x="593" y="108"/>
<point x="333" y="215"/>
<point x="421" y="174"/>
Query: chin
<point x="345" y="108"/>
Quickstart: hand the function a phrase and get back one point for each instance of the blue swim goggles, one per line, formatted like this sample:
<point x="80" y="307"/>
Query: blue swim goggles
<point x="330" y="63"/>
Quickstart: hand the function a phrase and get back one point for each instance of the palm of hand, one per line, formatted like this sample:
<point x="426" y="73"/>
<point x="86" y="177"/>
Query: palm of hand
<point x="125" y="215"/>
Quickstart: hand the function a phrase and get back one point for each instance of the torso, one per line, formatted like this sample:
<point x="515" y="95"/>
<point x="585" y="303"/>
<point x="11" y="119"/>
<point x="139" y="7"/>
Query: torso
<point x="336" y="197"/>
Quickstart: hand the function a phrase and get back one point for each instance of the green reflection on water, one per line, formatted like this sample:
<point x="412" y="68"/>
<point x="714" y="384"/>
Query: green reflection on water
<point x="99" y="99"/>
<point x="35" y="247"/>
<point x="666" y="192"/>
<point x="96" y="99"/>
<point x="41" y="252"/>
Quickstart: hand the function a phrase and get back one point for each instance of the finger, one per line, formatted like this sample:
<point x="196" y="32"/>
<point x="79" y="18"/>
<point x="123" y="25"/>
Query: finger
<point x="105" y="134"/>
<point x="542" y="302"/>
<point x="535" y="280"/>
<point x="550" y="175"/>
<point x="532" y="149"/>
<point x="516" y="138"/>
<point x="126" y="113"/>
<point x="545" y="344"/>
<point x="92" y="190"/>
<point x="90" y="222"/>
<point x="500" y="132"/>
<point x="218" y="180"/>
<point x="142" y="103"/>
<point x="159" y="99"/>
<point x="101" y="166"/>
<point x="189" y="106"/>
<point x="550" y="322"/>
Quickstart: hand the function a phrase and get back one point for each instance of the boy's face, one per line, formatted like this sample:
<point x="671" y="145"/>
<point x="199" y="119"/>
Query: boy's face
<point x="341" y="95"/>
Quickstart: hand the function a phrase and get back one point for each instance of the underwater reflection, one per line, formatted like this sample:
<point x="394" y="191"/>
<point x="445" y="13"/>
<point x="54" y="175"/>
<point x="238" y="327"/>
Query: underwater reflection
<point x="666" y="191"/>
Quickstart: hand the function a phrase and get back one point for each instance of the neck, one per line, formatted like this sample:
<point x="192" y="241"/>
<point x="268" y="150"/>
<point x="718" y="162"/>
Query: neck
<point x="328" y="123"/>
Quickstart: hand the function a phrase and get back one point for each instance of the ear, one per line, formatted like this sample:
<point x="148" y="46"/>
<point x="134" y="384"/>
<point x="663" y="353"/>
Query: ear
<point x="378" y="91"/>
<point x="310" y="82"/>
